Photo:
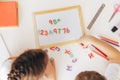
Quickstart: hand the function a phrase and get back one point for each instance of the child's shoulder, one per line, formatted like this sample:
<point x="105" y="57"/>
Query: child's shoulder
<point x="4" y="69"/>
<point x="113" y="71"/>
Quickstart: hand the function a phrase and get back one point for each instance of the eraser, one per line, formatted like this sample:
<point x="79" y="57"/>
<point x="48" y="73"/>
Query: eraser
<point x="114" y="29"/>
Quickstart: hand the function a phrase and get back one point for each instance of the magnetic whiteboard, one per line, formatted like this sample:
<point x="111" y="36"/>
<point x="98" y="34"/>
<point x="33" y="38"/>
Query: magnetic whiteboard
<point x="58" y="26"/>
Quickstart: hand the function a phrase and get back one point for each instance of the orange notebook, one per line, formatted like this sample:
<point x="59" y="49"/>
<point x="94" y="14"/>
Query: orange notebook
<point x="8" y="14"/>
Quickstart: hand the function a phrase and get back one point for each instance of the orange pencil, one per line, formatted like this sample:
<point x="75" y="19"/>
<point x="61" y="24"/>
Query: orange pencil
<point x="109" y="40"/>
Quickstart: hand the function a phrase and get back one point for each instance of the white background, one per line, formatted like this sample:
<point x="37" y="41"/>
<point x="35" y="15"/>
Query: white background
<point x="22" y="37"/>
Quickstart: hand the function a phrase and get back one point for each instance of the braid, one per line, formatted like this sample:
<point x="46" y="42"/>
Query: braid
<point x="16" y="73"/>
<point x="31" y="63"/>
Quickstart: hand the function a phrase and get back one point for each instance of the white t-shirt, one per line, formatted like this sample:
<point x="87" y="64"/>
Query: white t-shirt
<point x="113" y="72"/>
<point x="5" y="69"/>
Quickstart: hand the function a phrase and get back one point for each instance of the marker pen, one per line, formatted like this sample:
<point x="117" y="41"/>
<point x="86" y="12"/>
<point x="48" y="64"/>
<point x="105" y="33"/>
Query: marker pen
<point x="115" y="28"/>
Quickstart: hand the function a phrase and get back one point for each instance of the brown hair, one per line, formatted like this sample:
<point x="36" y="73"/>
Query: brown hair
<point x="90" y="75"/>
<point x="32" y="63"/>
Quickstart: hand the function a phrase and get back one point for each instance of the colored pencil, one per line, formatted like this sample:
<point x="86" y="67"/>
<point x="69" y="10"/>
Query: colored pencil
<point x="98" y="51"/>
<point x="111" y="43"/>
<point x="109" y="40"/>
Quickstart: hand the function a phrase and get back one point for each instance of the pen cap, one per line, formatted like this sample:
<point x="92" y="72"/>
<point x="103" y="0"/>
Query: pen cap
<point x="114" y="29"/>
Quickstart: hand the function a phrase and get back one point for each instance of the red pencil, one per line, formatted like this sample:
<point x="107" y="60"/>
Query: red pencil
<point x="98" y="52"/>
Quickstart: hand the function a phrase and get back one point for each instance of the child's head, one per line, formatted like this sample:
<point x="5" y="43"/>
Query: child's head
<point x="30" y="65"/>
<point x="89" y="75"/>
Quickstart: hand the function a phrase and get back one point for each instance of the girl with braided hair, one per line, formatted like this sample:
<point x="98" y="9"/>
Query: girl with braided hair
<point x="33" y="64"/>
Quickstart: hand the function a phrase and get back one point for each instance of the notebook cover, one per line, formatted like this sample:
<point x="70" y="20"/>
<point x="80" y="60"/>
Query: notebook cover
<point x="8" y="14"/>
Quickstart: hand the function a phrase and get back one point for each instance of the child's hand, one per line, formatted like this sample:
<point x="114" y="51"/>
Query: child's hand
<point x="50" y="70"/>
<point x="112" y="53"/>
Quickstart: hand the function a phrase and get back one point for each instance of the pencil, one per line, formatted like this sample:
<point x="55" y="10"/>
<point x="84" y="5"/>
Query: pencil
<point x="98" y="52"/>
<point x="109" y="40"/>
<point x="111" y="43"/>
